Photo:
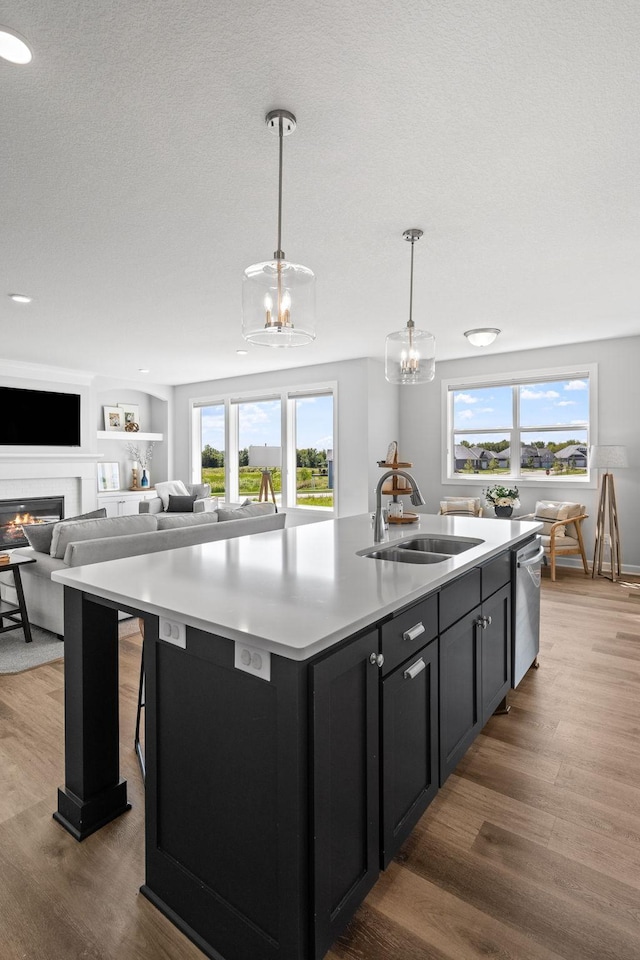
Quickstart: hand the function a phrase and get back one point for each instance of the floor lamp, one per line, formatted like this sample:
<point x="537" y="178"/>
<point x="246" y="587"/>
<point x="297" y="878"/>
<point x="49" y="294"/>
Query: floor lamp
<point x="606" y="458"/>
<point x="266" y="458"/>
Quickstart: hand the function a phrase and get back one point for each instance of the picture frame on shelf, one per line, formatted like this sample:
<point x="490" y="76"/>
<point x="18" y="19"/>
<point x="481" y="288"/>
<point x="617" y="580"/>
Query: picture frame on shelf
<point x="113" y="418"/>
<point x="130" y="417"/>
<point x="108" y="476"/>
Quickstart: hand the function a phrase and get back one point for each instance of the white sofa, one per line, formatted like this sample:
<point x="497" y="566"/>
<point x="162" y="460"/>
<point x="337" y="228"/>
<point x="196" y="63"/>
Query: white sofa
<point x="78" y="542"/>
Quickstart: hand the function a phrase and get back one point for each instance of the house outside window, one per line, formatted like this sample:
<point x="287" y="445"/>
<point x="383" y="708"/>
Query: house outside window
<point x="534" y="426"/>
<point x="296" y="426"/>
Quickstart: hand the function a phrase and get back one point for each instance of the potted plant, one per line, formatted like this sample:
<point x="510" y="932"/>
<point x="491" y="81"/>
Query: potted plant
<point x="502" y="499"/>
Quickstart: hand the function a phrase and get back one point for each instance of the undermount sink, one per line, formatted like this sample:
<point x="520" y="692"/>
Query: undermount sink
<point x="447" y="545"/>
<point x="400" y="555"/>
<point x="423" y="549"/>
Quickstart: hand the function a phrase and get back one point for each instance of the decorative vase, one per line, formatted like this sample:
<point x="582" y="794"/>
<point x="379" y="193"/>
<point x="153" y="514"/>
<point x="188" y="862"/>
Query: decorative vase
<point x="145" y="478"/>
<point x="504" y="511"/>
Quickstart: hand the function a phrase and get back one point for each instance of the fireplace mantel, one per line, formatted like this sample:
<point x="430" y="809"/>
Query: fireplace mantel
<point x="48" y="474"/>
<point x="50" y="456"/>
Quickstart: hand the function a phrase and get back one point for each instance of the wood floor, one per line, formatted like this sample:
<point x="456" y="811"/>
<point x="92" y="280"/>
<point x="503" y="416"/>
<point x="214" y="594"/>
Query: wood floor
<point x="531" y="851"/>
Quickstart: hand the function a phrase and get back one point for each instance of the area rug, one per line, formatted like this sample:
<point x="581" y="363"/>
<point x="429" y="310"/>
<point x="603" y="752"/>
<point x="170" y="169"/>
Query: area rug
<point x="16" y="655"/>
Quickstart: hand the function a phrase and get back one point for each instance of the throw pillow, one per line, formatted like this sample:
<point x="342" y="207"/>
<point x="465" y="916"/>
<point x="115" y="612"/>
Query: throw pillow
<point x="549" y="513"/>
<point x="180" y="504"/>
<point x="168" y="487"/>
<point x="248" y="510"/>
<point x="39" y="534"/>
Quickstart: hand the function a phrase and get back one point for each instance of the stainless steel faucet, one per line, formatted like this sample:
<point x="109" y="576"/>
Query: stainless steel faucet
<point x="416" y="499"/>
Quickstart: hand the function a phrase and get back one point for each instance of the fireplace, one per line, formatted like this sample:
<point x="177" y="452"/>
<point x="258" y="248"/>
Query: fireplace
<point x="16" y="514"/>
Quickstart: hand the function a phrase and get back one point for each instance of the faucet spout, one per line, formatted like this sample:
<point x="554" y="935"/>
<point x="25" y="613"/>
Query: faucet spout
<point x="416" y="499"/>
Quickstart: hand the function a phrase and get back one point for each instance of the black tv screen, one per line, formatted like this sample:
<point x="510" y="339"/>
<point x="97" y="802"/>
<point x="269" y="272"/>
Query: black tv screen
<point x="39" y="418"/>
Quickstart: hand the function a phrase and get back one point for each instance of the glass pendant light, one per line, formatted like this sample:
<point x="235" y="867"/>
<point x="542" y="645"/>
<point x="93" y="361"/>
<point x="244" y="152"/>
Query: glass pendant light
<point x="278" y="297"/>
<point x="410" y="353"/>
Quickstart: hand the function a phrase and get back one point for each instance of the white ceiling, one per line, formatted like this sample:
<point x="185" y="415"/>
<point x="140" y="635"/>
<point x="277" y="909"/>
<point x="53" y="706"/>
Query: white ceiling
<point x="139" y="180"/>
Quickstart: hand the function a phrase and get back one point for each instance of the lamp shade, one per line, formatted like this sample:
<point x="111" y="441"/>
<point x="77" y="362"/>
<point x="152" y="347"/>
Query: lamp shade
<point x="608" y="457"/>
<point x="264" y="456"/>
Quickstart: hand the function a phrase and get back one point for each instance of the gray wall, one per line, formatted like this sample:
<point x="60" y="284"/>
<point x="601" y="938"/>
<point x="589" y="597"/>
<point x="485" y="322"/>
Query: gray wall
<point x="367" y="421"/>
<point x="618" y="364"/>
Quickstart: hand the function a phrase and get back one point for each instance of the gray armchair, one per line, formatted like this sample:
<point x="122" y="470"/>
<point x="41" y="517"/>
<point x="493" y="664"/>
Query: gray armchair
<point x="202" y="504"/>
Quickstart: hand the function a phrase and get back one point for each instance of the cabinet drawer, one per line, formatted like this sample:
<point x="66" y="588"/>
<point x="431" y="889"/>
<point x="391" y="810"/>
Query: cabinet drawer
<point x="408" y="632"/>
<point x="459" y="597"/>
<point x="496" y="573"/>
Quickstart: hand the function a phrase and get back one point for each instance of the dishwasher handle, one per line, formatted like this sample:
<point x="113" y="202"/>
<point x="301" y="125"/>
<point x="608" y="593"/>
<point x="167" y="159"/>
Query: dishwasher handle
<point x="530" y="561"/>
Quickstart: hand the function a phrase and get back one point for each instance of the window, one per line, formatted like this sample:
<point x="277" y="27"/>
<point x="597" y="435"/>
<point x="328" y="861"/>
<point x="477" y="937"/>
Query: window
<point x="259" y="427"/>
<point x="292" y="431"/>
<point x="314" y="450"/>
<point x="211" y="433"/>
<point x="527" y="427"/>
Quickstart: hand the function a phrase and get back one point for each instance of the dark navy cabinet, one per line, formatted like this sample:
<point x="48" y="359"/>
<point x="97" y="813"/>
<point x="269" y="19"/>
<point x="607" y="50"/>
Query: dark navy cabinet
<point x="409" y="765"/>
<point x="346" y="784"/>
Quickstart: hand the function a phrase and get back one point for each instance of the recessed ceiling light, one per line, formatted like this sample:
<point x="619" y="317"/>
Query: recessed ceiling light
<point x="20" y="298"/>
<point x="143" y="370"/>
<point x="482" y="336"/>
<point x="242" y="353"/>
<point x="14" y="48"/>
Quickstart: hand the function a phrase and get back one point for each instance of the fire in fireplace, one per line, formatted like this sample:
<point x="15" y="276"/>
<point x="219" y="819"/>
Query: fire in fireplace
<point x="16" y="514"/>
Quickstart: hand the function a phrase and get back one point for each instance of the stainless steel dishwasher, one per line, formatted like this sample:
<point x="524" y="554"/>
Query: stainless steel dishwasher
<point x="526" y="608"/>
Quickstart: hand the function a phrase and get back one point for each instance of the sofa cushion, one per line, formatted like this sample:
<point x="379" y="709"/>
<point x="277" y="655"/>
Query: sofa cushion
<point x="166" y="522"/>
<point x="247" y="510"/>
<point x="179" y="504"/>
<point x="39" y="534"/>
<point x="167" y="487"/>
<point x="68" y="532"/>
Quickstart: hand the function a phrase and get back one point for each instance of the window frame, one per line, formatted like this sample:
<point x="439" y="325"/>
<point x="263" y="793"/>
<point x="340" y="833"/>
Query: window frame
<point x="515" y="380"/>
<point x="287" y="397"/>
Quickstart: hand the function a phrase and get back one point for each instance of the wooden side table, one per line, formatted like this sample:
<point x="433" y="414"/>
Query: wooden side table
<point x="17" y="615"/>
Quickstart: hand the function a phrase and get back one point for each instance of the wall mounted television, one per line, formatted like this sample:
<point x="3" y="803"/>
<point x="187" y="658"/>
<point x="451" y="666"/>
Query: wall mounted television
<point x="39" y="418"/>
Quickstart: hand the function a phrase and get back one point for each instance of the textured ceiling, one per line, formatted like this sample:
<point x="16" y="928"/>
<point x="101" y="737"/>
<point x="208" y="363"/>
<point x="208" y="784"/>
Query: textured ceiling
<point x="138" y="178"/>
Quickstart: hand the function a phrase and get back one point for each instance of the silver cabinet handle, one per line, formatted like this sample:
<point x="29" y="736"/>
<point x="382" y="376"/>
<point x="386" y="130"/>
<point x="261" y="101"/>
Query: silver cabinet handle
<point x="377" y="659"/>
<point x="413" y="632"/>
<point x="415" y="669"/>
<point x="483" y="622"/>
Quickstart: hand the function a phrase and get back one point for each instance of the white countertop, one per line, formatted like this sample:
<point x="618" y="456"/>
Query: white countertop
<point x="296" y="591"/>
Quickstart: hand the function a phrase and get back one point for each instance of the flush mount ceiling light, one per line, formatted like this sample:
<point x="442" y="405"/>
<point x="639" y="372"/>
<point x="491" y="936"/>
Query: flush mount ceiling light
<point x="482" y="336"/>
<point x="278" y="297"/>
<point x="410" y="353"/>
<point x="20" y="298"/>
<point x="14" y="48"/>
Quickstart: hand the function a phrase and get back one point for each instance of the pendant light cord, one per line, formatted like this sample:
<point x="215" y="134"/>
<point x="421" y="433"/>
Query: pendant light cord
<point x="279" y="254"/>
<point x="411" y="323"/>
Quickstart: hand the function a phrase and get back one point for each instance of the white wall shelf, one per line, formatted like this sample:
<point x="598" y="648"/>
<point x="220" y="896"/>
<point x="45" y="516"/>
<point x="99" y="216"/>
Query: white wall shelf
<point x="131" y="437"/>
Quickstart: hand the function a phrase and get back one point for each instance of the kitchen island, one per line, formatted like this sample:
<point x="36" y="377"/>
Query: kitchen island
<point x="304" y="704"/>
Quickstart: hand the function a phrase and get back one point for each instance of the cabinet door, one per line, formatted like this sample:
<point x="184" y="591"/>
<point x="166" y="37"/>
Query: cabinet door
<point x="129" y="506"/>
<point x="345" y="785"/>
<point x="111" y="505"/>
<point x="460" y="690"/>
<point x="496" y="650"/>
<point x="409" y="746"/>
